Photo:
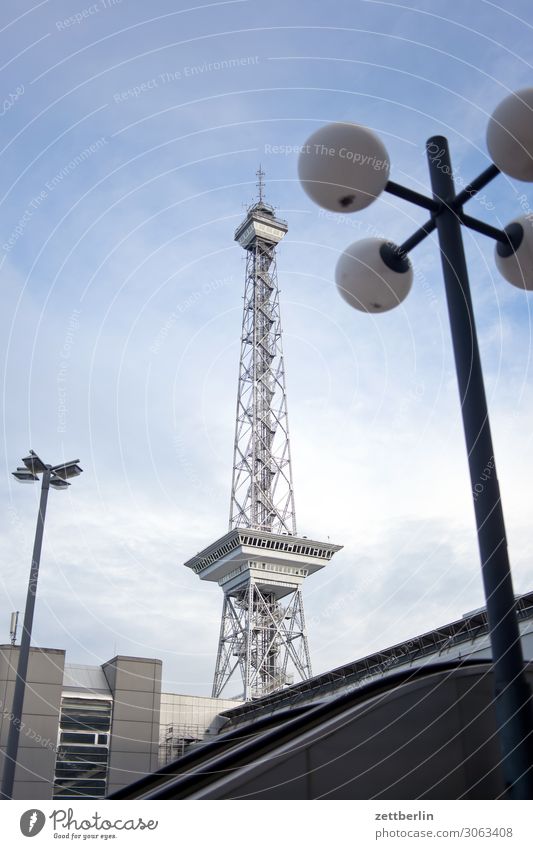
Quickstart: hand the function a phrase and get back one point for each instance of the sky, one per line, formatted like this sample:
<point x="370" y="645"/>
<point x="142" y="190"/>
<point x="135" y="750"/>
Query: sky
<point x="130" y="134"/>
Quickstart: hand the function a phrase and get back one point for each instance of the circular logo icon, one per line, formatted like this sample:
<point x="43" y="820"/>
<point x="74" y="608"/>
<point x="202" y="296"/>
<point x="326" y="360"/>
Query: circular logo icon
<point x="32" y="822"/>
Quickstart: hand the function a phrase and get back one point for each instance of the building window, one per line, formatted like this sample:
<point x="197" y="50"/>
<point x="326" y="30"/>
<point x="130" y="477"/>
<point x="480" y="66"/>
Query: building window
<point x="83" y="751"/>
<point x="77" y="738"/>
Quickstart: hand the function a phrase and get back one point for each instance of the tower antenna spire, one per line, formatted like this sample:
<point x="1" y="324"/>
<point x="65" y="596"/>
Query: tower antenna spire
<point x="261" y="563"/>
<point x="260" y="184"/>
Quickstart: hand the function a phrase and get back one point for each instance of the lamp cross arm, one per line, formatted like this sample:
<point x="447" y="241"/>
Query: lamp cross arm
<point x="412" y="196"/>
<point x="509" y="237"/>
<point x="418" y="236"/>
<point x="475" y="186"/>
<point x="486" y="229"/>
<point x="431" y="204"/>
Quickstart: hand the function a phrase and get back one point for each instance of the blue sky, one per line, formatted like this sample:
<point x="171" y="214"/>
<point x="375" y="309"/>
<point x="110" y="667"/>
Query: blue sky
<point x="129" y="139"/>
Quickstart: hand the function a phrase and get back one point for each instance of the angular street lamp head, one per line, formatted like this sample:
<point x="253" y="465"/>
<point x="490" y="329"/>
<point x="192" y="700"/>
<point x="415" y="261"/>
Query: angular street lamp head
<point x="343" y="167"/>
<point x="34" y="466"/>
<point x="373" y="275"/>
<point x="515" y="261"/>
<point x="34" y="463"/>
<point x="24" y="475"/>
<point x="67" y="470"/>
<point x="510" y="135"/>
<point x="58" y="483"/>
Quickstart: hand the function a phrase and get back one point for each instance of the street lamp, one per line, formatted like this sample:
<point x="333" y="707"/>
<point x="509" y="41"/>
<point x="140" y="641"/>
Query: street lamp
<point x="56" y="477"/>
<point x="344" y="167"/>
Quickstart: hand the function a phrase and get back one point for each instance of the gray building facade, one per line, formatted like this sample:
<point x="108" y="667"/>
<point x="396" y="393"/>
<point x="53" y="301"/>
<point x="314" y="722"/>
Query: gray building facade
<point x="86" y="730"/>
<point x="38" y="730"/>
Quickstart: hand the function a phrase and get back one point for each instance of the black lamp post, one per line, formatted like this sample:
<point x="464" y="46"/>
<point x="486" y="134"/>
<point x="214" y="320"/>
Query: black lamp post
<point x="56" y="477"/>
<point x="344" y="167"/>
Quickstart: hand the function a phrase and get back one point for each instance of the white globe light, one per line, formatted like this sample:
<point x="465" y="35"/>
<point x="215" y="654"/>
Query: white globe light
<point x="373" y="276"/>
<point x="343" y="167"/>
<point x="517" y="265"/>
<point x="510" y="135"/>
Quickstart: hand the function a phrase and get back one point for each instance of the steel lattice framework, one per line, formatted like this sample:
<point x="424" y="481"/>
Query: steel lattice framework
<point x="260" y="635"/>
<point x="261" y="563"/>
<point x="262" y="493"/>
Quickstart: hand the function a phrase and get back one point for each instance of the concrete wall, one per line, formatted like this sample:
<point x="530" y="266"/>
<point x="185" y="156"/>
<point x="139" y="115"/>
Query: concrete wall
<point x="38" y="736"/>
<point x="136" y="687"/>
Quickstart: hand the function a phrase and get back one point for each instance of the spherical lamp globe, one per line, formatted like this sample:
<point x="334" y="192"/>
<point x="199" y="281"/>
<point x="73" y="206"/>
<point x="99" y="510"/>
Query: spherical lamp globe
<point x="373" y="275"/>
<point x="510" y="135"/>
<point x="343" y="167"/>
<point x="515" y="259"/>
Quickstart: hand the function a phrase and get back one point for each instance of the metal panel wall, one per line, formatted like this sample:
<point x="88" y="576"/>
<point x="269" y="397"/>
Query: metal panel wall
<point x="38" y="735"/>
<point x="136" y="688"/>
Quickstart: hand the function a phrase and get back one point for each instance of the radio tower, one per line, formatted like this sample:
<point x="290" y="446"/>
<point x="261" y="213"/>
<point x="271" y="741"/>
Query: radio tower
<point x="261" y="563"/>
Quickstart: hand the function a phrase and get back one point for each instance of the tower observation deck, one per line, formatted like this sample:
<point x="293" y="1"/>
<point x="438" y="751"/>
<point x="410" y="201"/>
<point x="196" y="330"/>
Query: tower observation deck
<point x="261" y="563"/>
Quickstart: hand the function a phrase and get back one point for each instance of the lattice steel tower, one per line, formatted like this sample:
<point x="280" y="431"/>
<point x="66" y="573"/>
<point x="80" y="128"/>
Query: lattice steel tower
<point x="261" y="562"/>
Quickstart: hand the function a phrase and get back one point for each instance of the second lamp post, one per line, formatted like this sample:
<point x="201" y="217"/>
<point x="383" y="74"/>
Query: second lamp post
<point x="344" y="167"/>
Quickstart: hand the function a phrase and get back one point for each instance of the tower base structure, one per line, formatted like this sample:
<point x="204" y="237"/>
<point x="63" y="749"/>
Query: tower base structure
<point x="263" y="635"/>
